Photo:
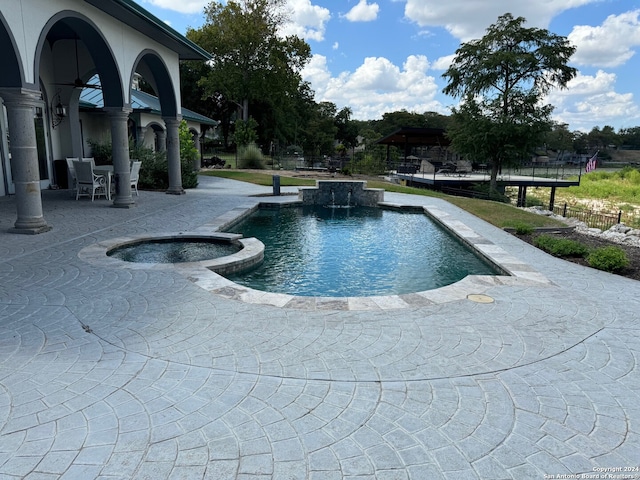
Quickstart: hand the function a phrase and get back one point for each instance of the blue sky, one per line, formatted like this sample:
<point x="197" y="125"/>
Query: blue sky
<point x="377" y="56"/>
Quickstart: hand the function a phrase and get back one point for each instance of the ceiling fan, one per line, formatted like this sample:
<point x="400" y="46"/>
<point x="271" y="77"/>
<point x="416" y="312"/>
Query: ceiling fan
<point x="78" y="83"/>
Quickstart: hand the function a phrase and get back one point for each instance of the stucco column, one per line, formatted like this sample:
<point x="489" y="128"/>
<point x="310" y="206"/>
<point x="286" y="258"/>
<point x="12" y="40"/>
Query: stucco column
<point x="120" y="152"/>
<point x="21" y="106"/>
<point x="140" y="131"/>
<point x="162" y="140"/>
<point x="173" y="156"/>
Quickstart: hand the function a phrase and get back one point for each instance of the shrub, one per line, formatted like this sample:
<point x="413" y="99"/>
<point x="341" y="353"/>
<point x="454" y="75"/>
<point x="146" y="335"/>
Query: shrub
<point x="561" y="247"/>
<point x="534" y="202"/>
<point x="609" y="259"/>
<point x="101" y="151"/>
<point x="188" y="150"/>
<point x="522" y="228"/>
<point x="245" y="132"/>
<point x="154" y="174"/>
<point x="250" y="156"/>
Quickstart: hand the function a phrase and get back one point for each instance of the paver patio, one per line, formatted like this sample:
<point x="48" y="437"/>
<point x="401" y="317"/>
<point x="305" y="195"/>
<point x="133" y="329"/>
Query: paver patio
<point x="119" y="373"/>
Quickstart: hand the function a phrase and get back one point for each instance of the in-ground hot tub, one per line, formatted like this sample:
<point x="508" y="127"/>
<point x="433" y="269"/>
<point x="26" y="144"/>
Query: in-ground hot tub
<point x="222" y="253"/>
<point x="169" y="250"/>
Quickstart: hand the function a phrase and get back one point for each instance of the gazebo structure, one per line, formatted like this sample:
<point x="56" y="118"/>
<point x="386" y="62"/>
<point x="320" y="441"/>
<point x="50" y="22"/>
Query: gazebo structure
<point x="49" y="50"/>
<point x="407" y="139"/>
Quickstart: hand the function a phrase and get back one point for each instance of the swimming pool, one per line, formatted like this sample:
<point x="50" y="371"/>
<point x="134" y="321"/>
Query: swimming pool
<point x="347" y="252"/>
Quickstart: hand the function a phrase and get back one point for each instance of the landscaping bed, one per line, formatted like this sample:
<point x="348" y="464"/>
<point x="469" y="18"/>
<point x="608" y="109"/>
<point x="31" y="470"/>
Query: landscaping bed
<point x="633" y="253"/>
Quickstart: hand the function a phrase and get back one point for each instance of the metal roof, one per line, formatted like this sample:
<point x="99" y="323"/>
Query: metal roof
<point x="91" y="98"/>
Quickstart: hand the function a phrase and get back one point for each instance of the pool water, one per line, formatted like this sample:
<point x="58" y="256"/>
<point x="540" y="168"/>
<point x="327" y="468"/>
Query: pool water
<point x="346" y="252"/>
<point x="173" y="251"/>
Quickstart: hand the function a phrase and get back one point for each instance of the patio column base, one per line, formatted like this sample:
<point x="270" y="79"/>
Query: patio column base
<point x="117" y="204"/>
<point x="175" y="191"/>
<point x="31" y="230"/>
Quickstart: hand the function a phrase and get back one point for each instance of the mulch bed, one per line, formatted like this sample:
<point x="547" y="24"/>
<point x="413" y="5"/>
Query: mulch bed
<point x="633" y="253"/>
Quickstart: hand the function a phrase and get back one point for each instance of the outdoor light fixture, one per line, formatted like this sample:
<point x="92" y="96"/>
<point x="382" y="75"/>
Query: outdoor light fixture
<point x="58" y="111"/>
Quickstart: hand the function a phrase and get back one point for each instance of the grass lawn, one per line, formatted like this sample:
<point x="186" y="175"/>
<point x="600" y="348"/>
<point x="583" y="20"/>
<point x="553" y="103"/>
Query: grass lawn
<point x="498" y="214"/>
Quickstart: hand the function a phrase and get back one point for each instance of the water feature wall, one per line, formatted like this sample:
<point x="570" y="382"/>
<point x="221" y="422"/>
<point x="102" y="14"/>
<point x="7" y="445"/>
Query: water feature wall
<point x="341" y="193"/>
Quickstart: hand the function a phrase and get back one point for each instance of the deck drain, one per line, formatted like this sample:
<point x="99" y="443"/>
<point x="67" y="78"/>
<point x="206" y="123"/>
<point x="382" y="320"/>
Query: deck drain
<point x="479" y="298"/>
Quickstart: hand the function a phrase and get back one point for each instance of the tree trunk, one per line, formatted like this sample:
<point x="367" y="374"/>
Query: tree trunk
<point x="493" y="181"/>
<point x="245" y="109"/>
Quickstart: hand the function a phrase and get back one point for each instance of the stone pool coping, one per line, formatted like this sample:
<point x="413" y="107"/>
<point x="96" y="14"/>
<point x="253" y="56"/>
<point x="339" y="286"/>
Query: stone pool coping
<point x="472" y="287"/>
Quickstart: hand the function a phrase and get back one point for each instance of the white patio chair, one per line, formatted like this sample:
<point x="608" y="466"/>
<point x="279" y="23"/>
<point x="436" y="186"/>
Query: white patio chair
<point x="72" y="173"/>
<point x="90" y="159"/>
<point x="135" y="174"/>
<point x="88" y="183"/>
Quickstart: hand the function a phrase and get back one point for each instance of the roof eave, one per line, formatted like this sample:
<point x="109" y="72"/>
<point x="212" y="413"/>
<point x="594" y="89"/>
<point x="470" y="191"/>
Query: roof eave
<point x="140" y="19"/>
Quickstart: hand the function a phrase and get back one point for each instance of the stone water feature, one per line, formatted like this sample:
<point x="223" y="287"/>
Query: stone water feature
<point x="341" y="193"/>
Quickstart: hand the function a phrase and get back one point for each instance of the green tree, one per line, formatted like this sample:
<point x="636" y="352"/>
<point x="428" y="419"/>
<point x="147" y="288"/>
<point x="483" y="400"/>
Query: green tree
<point x="245" y="132"/>
<point x="392" y="121"/>
<point x="560" y="139"/>
<point x="602" y="139"/>
<point x="436" y="120"/>
<point x="501" y="80"/>
<point x="580" y="143"/>
<point x="630" y="137"/>
<point x="194" y="97"/>
<point x="251" y="63"/>
<point x="347" y="133"/>
<point x="319" y="132"/>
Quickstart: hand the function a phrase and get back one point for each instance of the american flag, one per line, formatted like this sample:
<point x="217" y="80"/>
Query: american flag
<point x="591" y="163"/>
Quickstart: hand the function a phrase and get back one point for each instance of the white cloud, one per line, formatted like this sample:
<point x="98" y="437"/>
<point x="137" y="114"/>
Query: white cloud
<point x="306" y="21"/>
<point x="467" y="20"/>
<point x="608" y="45"/>
<point x="591" y="100"/>
<point x="376" y="87"/>
<point x="363" y="12"/>
<point x="183" y="6"/>
<point x="443" y="63"/>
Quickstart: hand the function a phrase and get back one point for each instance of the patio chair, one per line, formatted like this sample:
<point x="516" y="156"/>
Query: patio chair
<point x="135" y="174"/>
<point x="90" y="159"/>
<point x="88" y="183"/>
<point x="72" y="173"/>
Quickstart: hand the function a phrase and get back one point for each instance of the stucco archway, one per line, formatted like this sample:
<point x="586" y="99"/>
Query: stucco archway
<point x="150" y="65"/>
<point x="19" y="161"/>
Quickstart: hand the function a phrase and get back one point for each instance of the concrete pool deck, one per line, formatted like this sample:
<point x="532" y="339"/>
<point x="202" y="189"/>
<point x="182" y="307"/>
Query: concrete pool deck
<point x="121" y="373"/>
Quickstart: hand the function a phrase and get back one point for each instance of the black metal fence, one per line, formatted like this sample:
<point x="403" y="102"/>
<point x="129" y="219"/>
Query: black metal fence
<point x="592" y="219"/>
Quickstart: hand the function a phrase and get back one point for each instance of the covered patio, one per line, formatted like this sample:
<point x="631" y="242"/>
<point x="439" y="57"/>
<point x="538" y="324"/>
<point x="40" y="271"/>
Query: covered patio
<point x="42" y="79"/>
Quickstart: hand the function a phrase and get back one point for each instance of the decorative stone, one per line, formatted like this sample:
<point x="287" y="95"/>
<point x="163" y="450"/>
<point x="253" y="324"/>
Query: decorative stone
<point x="619" y="233"/>
<point x="341" y="193"/>
<point x="620" y="228"/>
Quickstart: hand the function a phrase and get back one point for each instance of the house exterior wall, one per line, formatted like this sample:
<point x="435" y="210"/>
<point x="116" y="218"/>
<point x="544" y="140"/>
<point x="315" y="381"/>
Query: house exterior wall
<point x="27" y="21"/>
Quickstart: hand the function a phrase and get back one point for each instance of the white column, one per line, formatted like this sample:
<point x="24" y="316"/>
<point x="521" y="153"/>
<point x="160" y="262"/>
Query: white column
<point x="21" y="106"/>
